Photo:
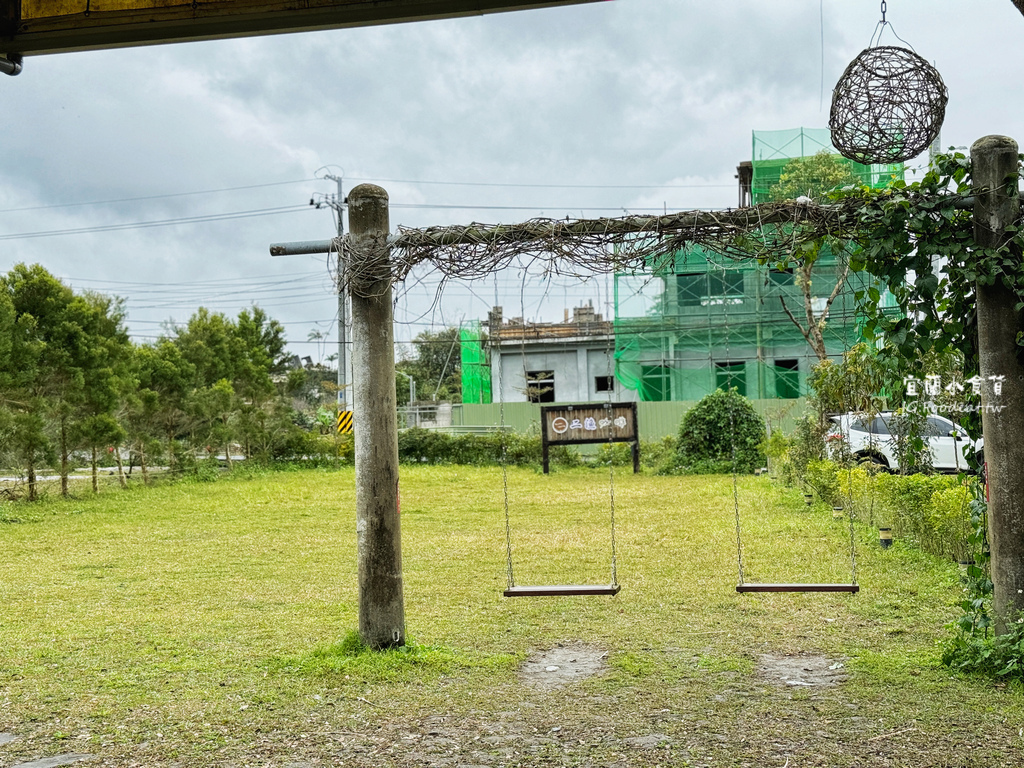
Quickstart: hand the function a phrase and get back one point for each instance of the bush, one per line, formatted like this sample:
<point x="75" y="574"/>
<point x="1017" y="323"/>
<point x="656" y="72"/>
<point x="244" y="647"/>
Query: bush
<point x="949" y="523"/>
<point x="616" y="454"/>
<point x="806" y="444"/>
<point x="823" y="477"/>
<point x="427" y="446"/>
<point x="653" y="453"/>
<point x="299" y="445"/>
<point x="929" y="511"/>
<point x="999" y="656"/>
<point x="722" y="433"/>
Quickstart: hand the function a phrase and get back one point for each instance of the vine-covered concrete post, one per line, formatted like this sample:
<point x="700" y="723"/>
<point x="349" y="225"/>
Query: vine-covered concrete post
<point x="994" y="162"/>
<point x="375" y="420"/>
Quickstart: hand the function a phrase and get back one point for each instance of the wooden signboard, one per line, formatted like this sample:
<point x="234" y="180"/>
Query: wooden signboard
<point x="56" y="26"/>
<point x="590" y="423"/>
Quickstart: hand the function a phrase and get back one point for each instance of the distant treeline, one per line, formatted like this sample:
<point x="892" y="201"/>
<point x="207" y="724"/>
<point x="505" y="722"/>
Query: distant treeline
<point x="74" y="387"/>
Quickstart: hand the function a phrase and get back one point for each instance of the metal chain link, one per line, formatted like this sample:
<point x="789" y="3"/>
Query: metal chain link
<point x="504" y="462"/>
<point x="732" y="428"/>
<point x="610" y="357"/>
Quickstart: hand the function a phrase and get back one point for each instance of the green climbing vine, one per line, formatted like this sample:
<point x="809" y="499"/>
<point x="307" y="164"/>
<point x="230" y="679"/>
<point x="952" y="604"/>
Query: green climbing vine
<point x="918" y="241"/>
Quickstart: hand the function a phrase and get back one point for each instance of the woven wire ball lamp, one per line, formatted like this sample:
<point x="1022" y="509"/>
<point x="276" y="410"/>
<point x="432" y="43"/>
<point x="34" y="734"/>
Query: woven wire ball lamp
<point x="887" y="107"/>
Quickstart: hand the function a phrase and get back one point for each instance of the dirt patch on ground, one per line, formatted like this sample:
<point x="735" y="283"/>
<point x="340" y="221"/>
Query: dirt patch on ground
<point x="565" y="663"/>
<point x="801" y="671"/>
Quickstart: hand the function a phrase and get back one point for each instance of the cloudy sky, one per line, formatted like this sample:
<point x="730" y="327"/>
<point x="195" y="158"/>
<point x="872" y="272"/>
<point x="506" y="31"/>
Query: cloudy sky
<point x="589" y="110"/>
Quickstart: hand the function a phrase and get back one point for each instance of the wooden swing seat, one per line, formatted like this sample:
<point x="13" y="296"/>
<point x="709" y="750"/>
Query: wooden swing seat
<point x="798" y="588"/>
<point x="559" y="590"/>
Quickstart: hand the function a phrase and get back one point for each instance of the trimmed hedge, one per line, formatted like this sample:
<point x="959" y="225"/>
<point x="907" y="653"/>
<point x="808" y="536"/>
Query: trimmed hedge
<point x="425" y="446"/>
<point x="929" y="511"/>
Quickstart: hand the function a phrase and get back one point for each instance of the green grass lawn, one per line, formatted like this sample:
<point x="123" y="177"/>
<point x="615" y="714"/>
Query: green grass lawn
<point x="205" y="624"/>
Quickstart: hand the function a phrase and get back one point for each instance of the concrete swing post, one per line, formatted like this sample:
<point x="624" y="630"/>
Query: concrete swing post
<point x="378" y="526"/>
<point x="994" y="162"/>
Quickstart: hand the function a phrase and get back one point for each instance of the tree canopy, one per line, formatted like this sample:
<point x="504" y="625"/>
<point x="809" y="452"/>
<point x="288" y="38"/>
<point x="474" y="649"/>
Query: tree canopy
<point x="73" y="386"/>
<point x="813" y="177"/>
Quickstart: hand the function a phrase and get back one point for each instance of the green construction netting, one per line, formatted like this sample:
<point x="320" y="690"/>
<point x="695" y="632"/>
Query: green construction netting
<point x="712" y="322"/>
<point x="476" y="370"/>
<point x="707" y="322"/>
<point x="772" y="150"/>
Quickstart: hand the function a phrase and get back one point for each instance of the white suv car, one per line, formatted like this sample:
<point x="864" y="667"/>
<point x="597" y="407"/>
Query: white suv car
<point x="869" y="438"/>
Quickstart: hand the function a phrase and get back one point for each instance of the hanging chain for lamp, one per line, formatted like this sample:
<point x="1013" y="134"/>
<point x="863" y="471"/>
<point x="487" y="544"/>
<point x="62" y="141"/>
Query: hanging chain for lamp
<point x="889" y="104"/>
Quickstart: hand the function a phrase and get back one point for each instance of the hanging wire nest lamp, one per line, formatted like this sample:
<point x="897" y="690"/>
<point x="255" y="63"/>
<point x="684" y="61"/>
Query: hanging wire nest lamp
<point x="889" y="104"/>
<point x="887" y="107"/>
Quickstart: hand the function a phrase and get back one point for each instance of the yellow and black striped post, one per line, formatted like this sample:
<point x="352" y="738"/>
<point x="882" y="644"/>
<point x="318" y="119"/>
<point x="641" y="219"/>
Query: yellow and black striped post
<point x="344" y="422"/>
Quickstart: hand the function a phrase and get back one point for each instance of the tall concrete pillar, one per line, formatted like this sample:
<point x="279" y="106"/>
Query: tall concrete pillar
<point x="378" y="526"/>
<point x="994" y="173"/>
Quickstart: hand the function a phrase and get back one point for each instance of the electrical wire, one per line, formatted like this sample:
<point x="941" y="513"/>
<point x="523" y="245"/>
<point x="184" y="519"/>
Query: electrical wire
<point x="154" y="197"/>
<point x="158" y="223"/>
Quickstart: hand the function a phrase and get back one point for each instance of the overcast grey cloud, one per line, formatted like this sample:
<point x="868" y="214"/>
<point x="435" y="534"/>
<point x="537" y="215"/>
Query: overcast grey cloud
<point x="578" y="103"/>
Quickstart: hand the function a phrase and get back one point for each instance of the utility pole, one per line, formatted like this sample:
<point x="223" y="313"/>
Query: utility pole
<point x="411" y="416"/>
<point x="994" y="163"/>
<point x="338" y="204"/>
<point x="378" y="525"/>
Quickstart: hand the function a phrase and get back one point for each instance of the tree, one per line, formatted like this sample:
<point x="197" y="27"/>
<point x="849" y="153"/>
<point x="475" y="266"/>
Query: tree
<point x="70" y="349"/>
<point x="210" y="344"/>
<point x="165" y="379"/>
<point x="213" y="423"/>
<point x="435" y="364"/>
<point x="245" y="354"/>
<point x="106" y="377"/>
<point x="95" y="432"/>
<point x="815" y="177"/>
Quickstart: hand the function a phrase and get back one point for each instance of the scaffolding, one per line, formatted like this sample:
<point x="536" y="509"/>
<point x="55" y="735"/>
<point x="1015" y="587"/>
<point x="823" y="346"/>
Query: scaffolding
<point x="476" y="369"/>
<point x="772" y="151"/>
<point x="707" y="321"/>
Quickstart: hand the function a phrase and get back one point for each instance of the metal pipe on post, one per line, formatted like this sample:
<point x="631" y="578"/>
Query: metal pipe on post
<point x="994" y="162"/>
<point x="378" y="528"/>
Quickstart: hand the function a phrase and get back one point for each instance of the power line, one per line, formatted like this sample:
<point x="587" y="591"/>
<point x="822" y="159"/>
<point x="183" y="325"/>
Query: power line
<point x="158" y="223"/>
<point x="542" y="186"/>
<point x="202" y="219"/>
<point x="154" y="197"/>
<point x="275" y="279"/>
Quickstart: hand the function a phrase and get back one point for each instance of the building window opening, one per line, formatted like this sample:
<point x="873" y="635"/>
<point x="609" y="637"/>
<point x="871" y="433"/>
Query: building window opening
<point x="540" y="386"/>
<point x="655" y="383"/>
<point x="702" y="289"/>
<point x="729" y="375"/>
<point x="787" y="378"/>
<point x="604" y="383"/>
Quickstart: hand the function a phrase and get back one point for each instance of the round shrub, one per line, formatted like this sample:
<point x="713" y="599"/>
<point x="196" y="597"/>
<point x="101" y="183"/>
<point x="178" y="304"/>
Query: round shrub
<point x="710" y="432"/>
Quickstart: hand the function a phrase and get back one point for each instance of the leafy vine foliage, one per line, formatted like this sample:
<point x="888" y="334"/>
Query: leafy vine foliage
<point x="918" y="239"/>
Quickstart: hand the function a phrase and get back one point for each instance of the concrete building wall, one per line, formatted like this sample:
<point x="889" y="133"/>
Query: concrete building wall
<point x="576" y="366"/>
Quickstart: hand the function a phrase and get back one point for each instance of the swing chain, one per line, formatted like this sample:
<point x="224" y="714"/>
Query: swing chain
<point x="504" y="469"/>
<point x="732" y="441"/>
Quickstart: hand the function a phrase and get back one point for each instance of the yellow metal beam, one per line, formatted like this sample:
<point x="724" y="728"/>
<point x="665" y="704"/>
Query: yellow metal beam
<point x="56" y="26"/>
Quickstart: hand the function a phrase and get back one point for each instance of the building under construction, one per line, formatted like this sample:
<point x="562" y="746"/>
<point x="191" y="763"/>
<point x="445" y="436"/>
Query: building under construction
<point x="705" y="321"/>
